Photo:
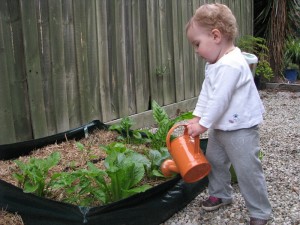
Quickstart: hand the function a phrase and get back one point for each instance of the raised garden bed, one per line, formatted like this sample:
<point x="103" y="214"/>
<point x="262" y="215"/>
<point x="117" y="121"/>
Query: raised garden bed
<point x="164" y="199"/>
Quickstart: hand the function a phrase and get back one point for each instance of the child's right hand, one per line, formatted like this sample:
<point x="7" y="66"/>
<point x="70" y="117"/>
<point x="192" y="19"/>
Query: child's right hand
<point x="195" y="129"/>
<point x="196" y="119"/>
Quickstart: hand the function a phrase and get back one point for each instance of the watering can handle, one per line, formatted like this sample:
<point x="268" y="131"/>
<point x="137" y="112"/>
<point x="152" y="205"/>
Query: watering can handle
<point x="196" y="139"/>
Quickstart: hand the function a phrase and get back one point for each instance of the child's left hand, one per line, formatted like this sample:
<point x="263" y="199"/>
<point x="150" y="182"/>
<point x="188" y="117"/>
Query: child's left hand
<point x="195" y="129"/>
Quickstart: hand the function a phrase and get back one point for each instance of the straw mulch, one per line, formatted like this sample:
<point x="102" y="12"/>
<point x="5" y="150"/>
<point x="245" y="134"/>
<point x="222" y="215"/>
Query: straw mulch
<point x="10" y="219"/>
<point x="71" y="155"/>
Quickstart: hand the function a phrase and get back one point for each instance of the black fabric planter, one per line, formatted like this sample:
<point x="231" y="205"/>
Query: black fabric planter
<point x="153" y="206"/>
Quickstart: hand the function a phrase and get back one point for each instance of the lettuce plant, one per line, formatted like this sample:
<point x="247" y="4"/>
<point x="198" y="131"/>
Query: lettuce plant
<point x="83" y="187"/>
<point x="125" y="169"/>
<point x="32" y="175"/>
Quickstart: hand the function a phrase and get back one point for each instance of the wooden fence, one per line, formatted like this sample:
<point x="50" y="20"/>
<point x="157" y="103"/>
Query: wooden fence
<point x="64" y="63"/>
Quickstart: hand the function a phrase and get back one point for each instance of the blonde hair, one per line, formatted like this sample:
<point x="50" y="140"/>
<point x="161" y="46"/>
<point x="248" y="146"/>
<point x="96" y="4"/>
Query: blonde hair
<point x="216" y="16"/>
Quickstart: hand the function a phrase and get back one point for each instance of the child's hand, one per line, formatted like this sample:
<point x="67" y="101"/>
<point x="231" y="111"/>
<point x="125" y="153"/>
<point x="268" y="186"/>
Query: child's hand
<point x="195" y="129"/>
<point x="194" y="120"/>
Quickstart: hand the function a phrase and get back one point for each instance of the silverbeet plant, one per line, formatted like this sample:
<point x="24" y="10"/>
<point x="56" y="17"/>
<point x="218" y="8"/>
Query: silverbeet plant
<point x="32" y="175"/>
<point x="83" y="187"/>
<point x="156" y="158"/>
<point x="125" y="168"/>
<point x="128" y="135"/>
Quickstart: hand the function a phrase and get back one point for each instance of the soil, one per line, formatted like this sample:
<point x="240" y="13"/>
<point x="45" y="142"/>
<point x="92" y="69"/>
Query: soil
<point x="71" y="156"/>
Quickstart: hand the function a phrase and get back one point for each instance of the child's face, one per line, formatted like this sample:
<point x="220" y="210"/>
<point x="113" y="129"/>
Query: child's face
<point x="204" y="42"/>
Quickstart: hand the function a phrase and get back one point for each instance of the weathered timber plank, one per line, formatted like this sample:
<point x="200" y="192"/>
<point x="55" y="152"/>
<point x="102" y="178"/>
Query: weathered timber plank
<point x="73" y="95"/>
<point x="58" y="66"/>
<point x="103" y="61"/>
<point x="33" y="69"/>
<point x="7" y="134"/>
<point x="140" y="55"/>
<point x="178" y="30"/>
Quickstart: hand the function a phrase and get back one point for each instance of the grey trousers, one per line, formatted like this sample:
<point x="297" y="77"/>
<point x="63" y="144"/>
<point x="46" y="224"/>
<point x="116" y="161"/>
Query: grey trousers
<point x="239" y="148"/>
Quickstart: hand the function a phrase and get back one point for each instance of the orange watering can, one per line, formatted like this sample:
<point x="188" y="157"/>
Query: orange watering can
<point x="188" y="158"/>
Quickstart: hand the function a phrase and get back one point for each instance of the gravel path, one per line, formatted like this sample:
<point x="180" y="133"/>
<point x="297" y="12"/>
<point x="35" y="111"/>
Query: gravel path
<point x="280" y="143"/>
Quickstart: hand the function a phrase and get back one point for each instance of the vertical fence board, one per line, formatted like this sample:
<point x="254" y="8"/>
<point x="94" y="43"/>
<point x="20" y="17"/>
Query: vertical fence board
<point x="199" y="63"/>
<point x="58" y="69"/>
<point x="129" y="58"/>
<point x="92" y="55"/>
<point x="17" y="76"/>
<point x="6" y="114"/>
<point x="166" y="52"/>
<point x="42" y="11"/>
<point x="80" y="21"/>
<point x="156" y="69"/>
<point x="33" y="69"/>
<point x="103" y="61"/>
<point x="178" y="30"/>
<point x="152" y="49"/>
<point x="112" y="61"/>
<point x="188" y="52"/>
<point x="140" y="55"/>
<point x="70" y="64"/>
<point x="121" y="68"/>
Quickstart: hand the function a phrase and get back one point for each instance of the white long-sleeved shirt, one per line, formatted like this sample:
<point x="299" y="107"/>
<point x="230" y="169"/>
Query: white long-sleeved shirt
<point x="229" y="99"/>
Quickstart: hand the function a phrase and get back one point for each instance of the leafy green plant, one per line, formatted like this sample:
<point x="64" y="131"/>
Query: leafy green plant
<point x="292" y="53"/>
<point x="258" y="47"/>
<point x="156" y="140"/>
<point x="86" y="151"/>
<point x="32" y="175"/>
<point x="164" y="123"/>
<point x="128" y="135"/>
<point x="254" y="45"/>
<point x="125" y="169"/>
<point x="264" y="69"/>
<point x="156" y="158"/>
<point x="83" y="187"/>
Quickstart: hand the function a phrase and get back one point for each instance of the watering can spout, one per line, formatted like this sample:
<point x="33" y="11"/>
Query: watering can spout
<point x="188" y="158"/>
<point x="168" y="167"/>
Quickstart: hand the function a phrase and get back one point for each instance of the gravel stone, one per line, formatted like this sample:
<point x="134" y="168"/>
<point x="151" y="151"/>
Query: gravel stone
<point x="280" y="134"/>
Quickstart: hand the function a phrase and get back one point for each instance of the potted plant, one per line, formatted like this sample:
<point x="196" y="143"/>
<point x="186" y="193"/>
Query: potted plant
<point x="291" y="59"/>
<point x="258" y="47"/>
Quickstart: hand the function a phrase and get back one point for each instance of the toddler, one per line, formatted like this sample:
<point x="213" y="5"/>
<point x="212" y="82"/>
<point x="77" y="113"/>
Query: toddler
<point x="230" y="107"/>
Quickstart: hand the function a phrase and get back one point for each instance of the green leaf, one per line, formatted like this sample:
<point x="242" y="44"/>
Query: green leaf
<point x="32" y="175"/>
<point x="132" y="191"/>
<point x="80" y="146"/>
<point x="116" y="127"/>
<point x="155" y="157"/>
<point x="18" y="177"/>
<point x="159" y="114"/>
<point x="29" y="187"/>
<point x="157" y="173"/>
<point x="137" y="135"/>
<point x="183" y="116"/>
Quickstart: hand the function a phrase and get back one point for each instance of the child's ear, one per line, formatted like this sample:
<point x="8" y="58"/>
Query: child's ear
<point x="216" y="35"/>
